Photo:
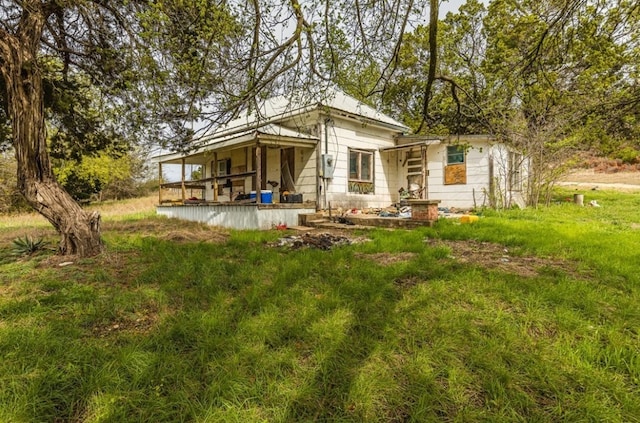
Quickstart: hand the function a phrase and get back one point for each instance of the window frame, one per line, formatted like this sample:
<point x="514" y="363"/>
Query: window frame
<point x="361" y="153"/>
<point x="356" y="183"/>
<point x="515" y="171"/>
<point x="459" y="151"/>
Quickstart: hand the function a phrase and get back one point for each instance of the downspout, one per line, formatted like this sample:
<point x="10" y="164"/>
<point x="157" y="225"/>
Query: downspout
<point x="326" y="135"/>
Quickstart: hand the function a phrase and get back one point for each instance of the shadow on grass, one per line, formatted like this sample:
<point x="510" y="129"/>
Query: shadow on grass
<point x="328" y="396"/>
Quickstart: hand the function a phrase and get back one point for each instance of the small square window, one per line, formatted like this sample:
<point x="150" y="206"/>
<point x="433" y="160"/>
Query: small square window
<point x="455" y="154"/>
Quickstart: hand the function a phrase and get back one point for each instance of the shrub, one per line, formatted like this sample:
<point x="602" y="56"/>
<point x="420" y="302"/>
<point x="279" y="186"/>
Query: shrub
<point x="28" y="246"/>
<point x="627" y="155"/>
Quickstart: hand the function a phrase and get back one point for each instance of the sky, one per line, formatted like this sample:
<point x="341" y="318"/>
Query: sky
<point x="447" y="6"/>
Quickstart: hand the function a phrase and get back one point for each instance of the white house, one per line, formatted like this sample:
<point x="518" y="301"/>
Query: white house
<point x="300" y="156"/>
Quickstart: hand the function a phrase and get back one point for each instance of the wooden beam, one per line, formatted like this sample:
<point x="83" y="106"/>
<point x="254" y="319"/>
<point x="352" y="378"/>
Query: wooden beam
<point x="184" y="189"/>
<point x="215" y="176"/>
<point x="424" y="162"/>
<point x="258" y="172"/>
<point x="159" y="183"/>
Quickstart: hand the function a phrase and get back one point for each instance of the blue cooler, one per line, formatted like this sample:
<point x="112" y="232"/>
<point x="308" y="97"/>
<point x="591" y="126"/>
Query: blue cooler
<point x="266" y="197"/>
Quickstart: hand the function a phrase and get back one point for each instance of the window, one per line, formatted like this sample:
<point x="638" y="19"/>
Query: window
<point x="360" y="165"/>
<point x="361" y="171"/>
<point x="455" y="154"/>
<point x="224" y="167"/>
<point x="515" y="171"/>
<point x="455" y="172"/>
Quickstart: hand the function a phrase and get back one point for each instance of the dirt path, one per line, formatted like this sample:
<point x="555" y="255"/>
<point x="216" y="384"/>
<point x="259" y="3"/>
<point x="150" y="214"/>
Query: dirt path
<point x="628" y="181"/>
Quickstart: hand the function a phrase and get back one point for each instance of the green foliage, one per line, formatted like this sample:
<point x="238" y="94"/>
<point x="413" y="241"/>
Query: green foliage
<point x="92" y="174"/>
<point x="10" y="198"/>
<point x="5" y="125"/>
<point x="549" y="79"/>
<point x="196" y="173"/>
<point x="81" y="123"/>
<point x="28" y="246"/>
<point x="627" y="155"/>
<point x="104" y="175"/>
<point x="461" y="53"/>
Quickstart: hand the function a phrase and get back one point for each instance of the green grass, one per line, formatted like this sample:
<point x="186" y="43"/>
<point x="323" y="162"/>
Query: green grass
<point x="395" y="329"/>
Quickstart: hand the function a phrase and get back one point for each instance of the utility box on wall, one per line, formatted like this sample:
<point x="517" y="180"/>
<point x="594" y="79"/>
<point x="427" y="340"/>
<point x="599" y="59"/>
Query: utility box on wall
<point x="328" y="165"/>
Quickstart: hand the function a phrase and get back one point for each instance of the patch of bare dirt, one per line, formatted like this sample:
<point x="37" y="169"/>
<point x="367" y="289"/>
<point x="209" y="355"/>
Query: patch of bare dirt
<point x="387" y="259"/>
<point x="594" y="179"/>
<point x="55" y="260"/>
<point x="138" y="323"/>
<point x="408" y="282"/>
<point x="496" y="256"/>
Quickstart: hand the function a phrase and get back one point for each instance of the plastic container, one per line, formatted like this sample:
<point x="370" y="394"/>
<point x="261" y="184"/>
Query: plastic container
<point x="468" y="218"/>
<point x="266" y="197"/>
<point x="291" y="198"/>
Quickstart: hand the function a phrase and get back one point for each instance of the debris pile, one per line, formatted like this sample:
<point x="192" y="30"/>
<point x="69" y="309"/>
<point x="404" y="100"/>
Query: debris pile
<point x="397" y="210"/>
<point x="322" y="241"/>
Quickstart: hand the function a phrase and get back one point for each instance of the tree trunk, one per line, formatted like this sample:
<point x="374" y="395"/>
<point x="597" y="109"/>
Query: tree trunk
<point x="79" y="230"/>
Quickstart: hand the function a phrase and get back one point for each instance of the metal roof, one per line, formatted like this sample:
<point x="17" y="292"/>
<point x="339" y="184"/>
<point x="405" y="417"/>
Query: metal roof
<point x="284" y="107"/>
<point x="267" y="134"/>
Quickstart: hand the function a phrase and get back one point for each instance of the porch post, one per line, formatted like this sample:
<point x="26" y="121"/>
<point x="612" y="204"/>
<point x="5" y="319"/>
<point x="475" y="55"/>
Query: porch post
<point x="423" y="158"/>
<point x="184" y="189"/>
<point x="215" y="176"/>
<point x="159" y="183"/>
<point x="258" y="173"/>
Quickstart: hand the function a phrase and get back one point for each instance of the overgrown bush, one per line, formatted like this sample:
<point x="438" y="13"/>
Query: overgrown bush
<point x="628" y="155"/>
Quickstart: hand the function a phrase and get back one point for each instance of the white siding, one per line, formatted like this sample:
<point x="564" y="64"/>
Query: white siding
<point x="305" y="172"/>
<point x="475" y="191"/>
<point x="344" y="135"/>
<point x="505" y="196"/>
<point x="235" y="216"/>
<point x="273" y="171"/>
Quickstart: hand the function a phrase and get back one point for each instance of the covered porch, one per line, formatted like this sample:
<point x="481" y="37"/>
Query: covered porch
<point x="413" y="167"/>
<point x="252" y="179"/>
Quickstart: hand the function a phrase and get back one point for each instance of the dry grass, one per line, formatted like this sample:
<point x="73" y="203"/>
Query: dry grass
<point x="589" y="178"/>
<point x="121" y="209"/>
<point x="168" y="230"/>
<point x="126" y="217"/>
<point x="109" y="210"/>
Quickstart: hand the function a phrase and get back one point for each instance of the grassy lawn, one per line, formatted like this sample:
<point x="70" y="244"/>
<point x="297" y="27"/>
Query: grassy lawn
<point x="526" y="315"/>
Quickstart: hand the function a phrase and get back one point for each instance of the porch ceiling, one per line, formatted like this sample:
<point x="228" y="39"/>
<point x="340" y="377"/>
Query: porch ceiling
<point x="413" y="142"/>
<point x="271" y="134"/>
